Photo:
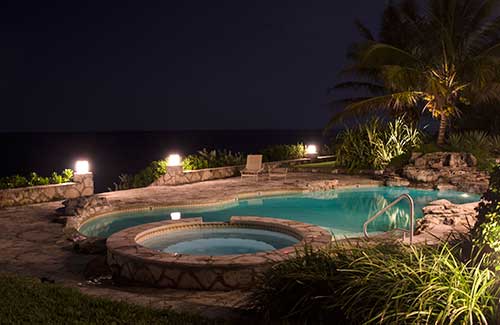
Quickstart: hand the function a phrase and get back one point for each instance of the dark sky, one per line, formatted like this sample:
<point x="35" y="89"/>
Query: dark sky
<point x="157" y="65"/>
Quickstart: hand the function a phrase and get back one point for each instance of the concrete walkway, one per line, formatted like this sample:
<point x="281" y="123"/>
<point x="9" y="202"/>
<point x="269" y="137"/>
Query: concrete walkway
<point x="32" y="244"/>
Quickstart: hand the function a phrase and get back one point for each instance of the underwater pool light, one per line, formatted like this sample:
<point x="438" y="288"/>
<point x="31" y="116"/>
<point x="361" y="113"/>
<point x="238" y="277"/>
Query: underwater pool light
<point x="175" y="216"/>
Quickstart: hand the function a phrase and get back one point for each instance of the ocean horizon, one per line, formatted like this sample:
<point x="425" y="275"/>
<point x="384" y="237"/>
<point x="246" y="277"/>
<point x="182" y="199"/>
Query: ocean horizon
<point x="112" y="153"/>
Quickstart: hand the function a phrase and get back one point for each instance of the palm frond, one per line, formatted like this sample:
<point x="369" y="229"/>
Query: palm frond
<point x="379" y="54"/>
<point x="357" y="85"/>
<point x="364" y="31"/>
<point x="394" y="101"/>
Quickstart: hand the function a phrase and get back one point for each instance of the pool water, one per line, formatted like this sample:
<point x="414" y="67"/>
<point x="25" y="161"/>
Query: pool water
<point x="220" y="241"/>
<point x="341" y="211"/>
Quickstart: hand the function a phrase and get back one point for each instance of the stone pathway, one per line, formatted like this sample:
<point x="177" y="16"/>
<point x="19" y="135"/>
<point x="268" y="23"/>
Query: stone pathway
<point x="32" y="244"/>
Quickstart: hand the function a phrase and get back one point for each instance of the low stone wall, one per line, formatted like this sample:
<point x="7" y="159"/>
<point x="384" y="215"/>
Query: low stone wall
<point x="444" y="214"/>
<point x="179" y="177"/>
<point x="131" y="261"/>
<point x="82" y="185"/>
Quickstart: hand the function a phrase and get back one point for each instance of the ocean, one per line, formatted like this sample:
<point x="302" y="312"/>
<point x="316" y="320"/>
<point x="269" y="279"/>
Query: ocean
<point x="113" y="153"/>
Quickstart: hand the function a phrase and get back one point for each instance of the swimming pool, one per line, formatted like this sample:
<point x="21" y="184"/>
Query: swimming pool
<point x="341" y="211"/>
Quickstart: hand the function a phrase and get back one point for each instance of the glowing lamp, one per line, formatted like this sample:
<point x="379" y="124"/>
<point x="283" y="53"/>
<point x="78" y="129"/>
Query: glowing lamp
<point x="311" y="150"/>
<point x="175" y="216"/>
<point x="82" y="167"/>
<point x="174" y="160"/>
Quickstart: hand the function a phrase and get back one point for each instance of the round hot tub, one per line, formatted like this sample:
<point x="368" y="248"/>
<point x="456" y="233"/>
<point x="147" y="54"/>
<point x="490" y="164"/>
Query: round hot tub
<point x="218" y="241"/>
<point x="192" y="254"/>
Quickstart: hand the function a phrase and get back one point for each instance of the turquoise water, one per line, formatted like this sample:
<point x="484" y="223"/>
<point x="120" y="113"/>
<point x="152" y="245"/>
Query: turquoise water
<point x="341" y="211"/>
<point x="220" y="241"/>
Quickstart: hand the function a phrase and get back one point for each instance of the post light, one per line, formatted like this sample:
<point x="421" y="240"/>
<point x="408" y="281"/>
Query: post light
<point x="311" y="150"/>
<point x="82" y="167"/>
<point x="175" y="216"/>
<point x="174" y="160"/>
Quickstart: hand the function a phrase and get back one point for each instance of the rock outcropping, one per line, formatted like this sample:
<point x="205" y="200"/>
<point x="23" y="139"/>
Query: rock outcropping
<point x="447" y="171"/>
<point x="447" y="215"/>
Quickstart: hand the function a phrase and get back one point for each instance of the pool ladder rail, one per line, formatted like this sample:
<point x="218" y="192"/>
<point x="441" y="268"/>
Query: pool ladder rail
<point x="393" y="203"/>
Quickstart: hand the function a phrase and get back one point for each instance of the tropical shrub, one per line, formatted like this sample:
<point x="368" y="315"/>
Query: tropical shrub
<point x="375" y="143"/>
<point x="284" y="152"/>
<point x="143" y="178"/>
<point x="387" y="283"/>
<point x="212" y="159"/>
<point x="483" y="146"/>
<point x="486" y="232"/>
<point x="33" y="179"/>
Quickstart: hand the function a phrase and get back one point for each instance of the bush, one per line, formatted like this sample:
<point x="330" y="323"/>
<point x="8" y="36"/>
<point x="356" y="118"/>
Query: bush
<point x="143" y="178"/>
<point x="388" y="283"/>
<point x="212" y="159"/>
<point x="374" y="144"/>
<point x="33" y="179"/>
<point x="479" y="143"/>
<point x="486" y="232"/>
<point x="284" y="152"/>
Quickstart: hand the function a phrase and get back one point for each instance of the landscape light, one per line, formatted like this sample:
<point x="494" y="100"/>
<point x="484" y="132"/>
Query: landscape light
<point x="82" y="167"/>
<point x="174" y="160"/>
<point x="175" y="216"/>
<point x="311" y="149"/>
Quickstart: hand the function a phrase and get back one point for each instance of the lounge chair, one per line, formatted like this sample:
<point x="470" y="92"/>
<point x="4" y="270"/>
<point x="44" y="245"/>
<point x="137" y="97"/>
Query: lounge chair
<point x="277" y="172"/>
<point x="253" y="167"/>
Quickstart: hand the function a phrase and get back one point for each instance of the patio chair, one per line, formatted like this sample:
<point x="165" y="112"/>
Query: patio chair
<point x="253" y="167"/>
<point x="277" y="172"/>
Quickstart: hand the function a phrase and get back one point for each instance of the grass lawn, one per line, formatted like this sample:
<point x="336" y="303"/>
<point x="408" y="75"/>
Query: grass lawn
<point x="325" y="164"/>
<point x="27" y="301"/>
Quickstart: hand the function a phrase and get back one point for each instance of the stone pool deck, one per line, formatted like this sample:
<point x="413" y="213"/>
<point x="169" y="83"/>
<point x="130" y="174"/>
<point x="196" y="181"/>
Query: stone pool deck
<point x="32" y="244"/>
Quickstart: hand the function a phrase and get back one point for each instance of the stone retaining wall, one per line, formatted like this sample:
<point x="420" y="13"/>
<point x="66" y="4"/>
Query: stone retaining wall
<point x="177" y="176"/>
<point x="131" y="261"/>
<point x="82" y="185"/>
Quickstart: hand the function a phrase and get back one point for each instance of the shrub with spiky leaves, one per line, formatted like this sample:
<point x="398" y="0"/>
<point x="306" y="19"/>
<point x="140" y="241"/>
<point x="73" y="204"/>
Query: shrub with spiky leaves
<point x="374" y="144"/>
<point x="383" y="284"/>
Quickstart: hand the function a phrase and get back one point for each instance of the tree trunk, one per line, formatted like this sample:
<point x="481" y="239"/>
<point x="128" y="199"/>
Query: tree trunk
<point x="443" y="123"/>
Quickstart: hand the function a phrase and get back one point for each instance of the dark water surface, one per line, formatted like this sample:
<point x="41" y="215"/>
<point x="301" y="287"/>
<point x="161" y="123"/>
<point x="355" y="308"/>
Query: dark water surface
<point x="113" y="153"/>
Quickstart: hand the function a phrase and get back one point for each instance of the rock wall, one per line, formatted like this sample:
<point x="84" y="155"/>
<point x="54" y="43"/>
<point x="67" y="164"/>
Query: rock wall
<point x="82" y="185"/>
<point x="444" y="214"/>
<point x="178" y="177"/>
<point x="447" y="171"/>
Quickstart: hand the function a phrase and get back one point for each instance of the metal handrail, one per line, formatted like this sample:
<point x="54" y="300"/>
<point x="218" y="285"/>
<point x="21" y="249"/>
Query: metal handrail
<point x="393" y="203"/>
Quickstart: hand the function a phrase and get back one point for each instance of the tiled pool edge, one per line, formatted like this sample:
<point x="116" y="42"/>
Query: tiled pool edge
<point x="133" y="262"/>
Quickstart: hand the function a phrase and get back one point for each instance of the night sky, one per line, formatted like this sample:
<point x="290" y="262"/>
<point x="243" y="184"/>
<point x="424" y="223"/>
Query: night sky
<point x="158" y="65"/>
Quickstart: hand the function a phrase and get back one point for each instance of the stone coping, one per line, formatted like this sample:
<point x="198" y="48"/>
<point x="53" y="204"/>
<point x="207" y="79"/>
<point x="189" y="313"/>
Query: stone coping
<point x="130" y="260"/>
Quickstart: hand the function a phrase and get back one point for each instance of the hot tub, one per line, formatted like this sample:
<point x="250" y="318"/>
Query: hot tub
<point x="192" y="254"/>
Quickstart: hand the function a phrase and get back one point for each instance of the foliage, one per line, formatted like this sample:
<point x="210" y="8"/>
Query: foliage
<point x="33" y="179"/>
<point x="212" y="159"/>
<point x="479" y="143"/>
<point x="27" y="301"/>
<point x="387" y="283"/>
<point x="143" y="178"/>
<point x="443" y="58"/>
<point x="375" y="143"/>
<point x="486" y="232"/>
<point x="284" y="152"/>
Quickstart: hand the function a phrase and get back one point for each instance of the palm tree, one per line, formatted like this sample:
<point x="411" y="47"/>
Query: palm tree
<point x="441" y="59"/>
